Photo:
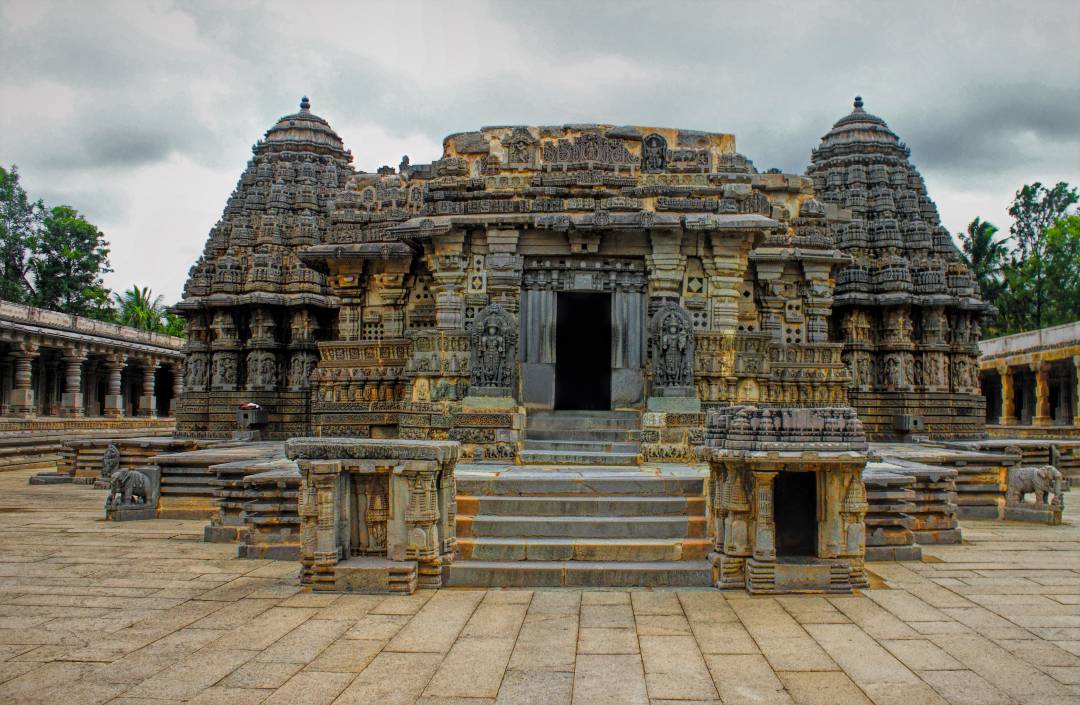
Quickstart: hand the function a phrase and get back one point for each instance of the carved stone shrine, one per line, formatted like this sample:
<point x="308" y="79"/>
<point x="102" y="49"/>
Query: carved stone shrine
<point x="375" y="515"/>
<point x="788" y="500"/>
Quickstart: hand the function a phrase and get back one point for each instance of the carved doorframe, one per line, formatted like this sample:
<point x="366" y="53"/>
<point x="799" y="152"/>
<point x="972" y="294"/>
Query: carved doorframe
<point x="543" y="277"/>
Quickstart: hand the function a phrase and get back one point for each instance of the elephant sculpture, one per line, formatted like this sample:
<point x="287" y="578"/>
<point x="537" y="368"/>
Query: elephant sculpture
<point x="128" y="487"/>
<point x="1042" y="480"/>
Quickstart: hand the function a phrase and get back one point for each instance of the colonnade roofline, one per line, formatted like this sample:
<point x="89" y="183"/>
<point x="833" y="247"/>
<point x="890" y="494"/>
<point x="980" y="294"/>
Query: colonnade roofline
<point x="1061" y="338"/>
<point x="85" y="332"/>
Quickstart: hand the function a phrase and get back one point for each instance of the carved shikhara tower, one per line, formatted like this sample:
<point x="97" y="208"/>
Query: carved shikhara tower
<point x="641" y="269"/>
<point x="907" y="308"/>
<point x="254" y="311"/>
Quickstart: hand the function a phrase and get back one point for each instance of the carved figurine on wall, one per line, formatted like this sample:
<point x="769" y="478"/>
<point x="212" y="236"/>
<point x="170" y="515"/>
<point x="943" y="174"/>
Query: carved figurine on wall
<point x="494" y="351"/>
<point x="672" y="347"/>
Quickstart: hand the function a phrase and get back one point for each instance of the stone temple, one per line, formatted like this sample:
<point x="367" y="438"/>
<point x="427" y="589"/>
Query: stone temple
<point x="583" y="295"/>
<point x="646" y="272"/>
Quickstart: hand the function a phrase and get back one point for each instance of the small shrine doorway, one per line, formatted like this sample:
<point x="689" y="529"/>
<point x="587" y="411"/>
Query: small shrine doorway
<point x="796" y="509"/>
<point x="583" y="351"/>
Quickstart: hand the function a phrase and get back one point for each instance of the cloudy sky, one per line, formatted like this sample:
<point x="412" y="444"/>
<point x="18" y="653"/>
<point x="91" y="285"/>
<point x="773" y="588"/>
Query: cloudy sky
<point x="142" y="114"/>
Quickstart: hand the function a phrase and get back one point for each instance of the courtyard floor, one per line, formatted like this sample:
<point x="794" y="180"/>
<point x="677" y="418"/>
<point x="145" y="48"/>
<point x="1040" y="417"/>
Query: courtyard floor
<point x="145" y="613"/>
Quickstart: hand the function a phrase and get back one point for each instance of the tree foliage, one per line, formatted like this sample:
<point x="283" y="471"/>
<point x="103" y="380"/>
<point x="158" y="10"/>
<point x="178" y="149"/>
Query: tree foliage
<point x="70" y="255"/>
<point x="1035" y="210"/>
<point x="1036" y="283"/>
<point x="55" y="259"/>
<point x="986" y="256"/>
<point x="139" y="308"/>
<point x="20" y="221"/>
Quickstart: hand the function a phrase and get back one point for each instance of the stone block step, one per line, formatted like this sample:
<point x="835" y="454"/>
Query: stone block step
<point x="596" y="435"/>
<point x="564" y="446"/>
<point x="576" y="457"/>
<point x="584" y="420"/>
<point x="540" y="483"/>
<point x="579" y="574"/>
<point x="624" y="506"/>
<point x="586" y="549"/>
<point x="523" y="526"/>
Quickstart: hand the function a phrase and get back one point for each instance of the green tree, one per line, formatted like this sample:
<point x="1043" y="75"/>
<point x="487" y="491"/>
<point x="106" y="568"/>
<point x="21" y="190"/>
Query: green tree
<point x="20" y="220"/>
<point x="175" y="325"/>
<point x="69" y="257"/>
<point x="985" y="256"/>
<point x="1036" y="209"/>
<point x="139" y="308"/>
<point x="1063" y="270"/>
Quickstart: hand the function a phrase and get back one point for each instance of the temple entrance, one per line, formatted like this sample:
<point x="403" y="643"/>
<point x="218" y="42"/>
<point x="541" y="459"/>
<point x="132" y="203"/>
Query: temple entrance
<point x="583" y="351"/>
<point x="795" y="507"/>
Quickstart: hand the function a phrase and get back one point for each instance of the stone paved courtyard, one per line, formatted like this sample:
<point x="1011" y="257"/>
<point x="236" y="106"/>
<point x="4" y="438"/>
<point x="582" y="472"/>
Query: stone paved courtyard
<point x="145" y="613"/>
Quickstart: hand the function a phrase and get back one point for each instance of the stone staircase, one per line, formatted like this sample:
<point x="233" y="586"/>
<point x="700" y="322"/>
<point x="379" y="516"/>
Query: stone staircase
<point x="581" y="527"/>
<point x="581" y="438"/>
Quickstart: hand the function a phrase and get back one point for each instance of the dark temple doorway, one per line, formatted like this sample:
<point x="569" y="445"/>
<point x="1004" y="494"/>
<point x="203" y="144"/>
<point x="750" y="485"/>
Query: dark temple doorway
<point x="583" y="351"/>
<point x="795" y="510"/>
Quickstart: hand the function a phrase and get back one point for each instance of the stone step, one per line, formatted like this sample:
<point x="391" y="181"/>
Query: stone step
<point x="562" y="482"/>
<point x="565" y="446"/>
<point x="576" y="457"/>
<point x="584" y="549"/>
<point x="601" y="435"/>
<point x="525" y="526"/>
<point x="624" y="506"/>
<point x="583" y="420"/>
<point x="579" y="574"/>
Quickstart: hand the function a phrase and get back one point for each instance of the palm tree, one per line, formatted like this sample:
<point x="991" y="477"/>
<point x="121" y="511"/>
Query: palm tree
<point x="139" y="308"/>
<point x="985" y="256"/>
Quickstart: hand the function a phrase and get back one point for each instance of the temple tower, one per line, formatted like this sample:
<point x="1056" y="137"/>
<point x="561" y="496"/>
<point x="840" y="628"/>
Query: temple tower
<point x="907" y="308"/>
<point x="254" y="311"/>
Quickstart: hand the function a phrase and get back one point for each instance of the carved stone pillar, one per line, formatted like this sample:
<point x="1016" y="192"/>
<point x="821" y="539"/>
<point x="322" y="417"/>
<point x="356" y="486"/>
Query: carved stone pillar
<point x="22" y="394"/>
<point x="71" y="403"/>
<point x="1008" y="406"/>
<point x="447" y="263"/>
<point x="177" y="387"/>
<point x="504" y="269"/>
<point x="725" y="270"/>
<point x="1042" y="395"/>
<point x="764" y="522"/>
<point x="114" y="395"/>
<point x="666" y="265"/>
<point x="1076" y="398"/>
<point x="148" y="400"/>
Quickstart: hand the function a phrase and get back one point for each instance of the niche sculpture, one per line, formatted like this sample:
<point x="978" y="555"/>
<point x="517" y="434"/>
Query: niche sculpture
<point x="494" y="341"/>
<point x="672" y="339"/>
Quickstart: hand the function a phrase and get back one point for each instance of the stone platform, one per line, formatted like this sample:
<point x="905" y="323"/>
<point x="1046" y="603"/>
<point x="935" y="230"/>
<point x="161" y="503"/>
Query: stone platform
<point x="144" y="612"/>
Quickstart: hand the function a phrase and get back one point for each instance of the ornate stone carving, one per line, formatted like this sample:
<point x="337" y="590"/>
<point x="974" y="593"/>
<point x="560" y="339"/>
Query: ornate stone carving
<point x="1045" y="483"/>
<point x="110" y="462"/>
<point x="494" y="353"/>
<point x="671" y="332"/>
<point x="128" y="487"/>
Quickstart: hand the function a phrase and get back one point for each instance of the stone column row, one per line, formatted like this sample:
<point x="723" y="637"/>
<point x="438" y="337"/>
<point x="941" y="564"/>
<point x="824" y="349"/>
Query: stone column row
<point x="1042" y="416"/>
<point x="73" y="395"/>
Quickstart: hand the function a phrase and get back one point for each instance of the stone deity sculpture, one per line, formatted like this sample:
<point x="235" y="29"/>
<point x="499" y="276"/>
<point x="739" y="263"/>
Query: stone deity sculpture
<point x="494" y="353"/>
<point x="672" y="349"/>
<point x="110" y="462"/>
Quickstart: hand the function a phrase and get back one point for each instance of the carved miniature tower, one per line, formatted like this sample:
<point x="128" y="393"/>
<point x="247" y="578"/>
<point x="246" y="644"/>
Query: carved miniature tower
<point x="907" y="308"/>
<point x="253" y="310"/>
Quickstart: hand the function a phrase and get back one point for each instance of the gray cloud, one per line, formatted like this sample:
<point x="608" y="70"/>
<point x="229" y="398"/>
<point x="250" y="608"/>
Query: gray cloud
<point x="130" y="110"/>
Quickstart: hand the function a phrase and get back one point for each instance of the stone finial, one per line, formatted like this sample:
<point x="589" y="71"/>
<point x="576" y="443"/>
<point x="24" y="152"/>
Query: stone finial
<point x="305" y="104"/>
<point x="858" y="102"/>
